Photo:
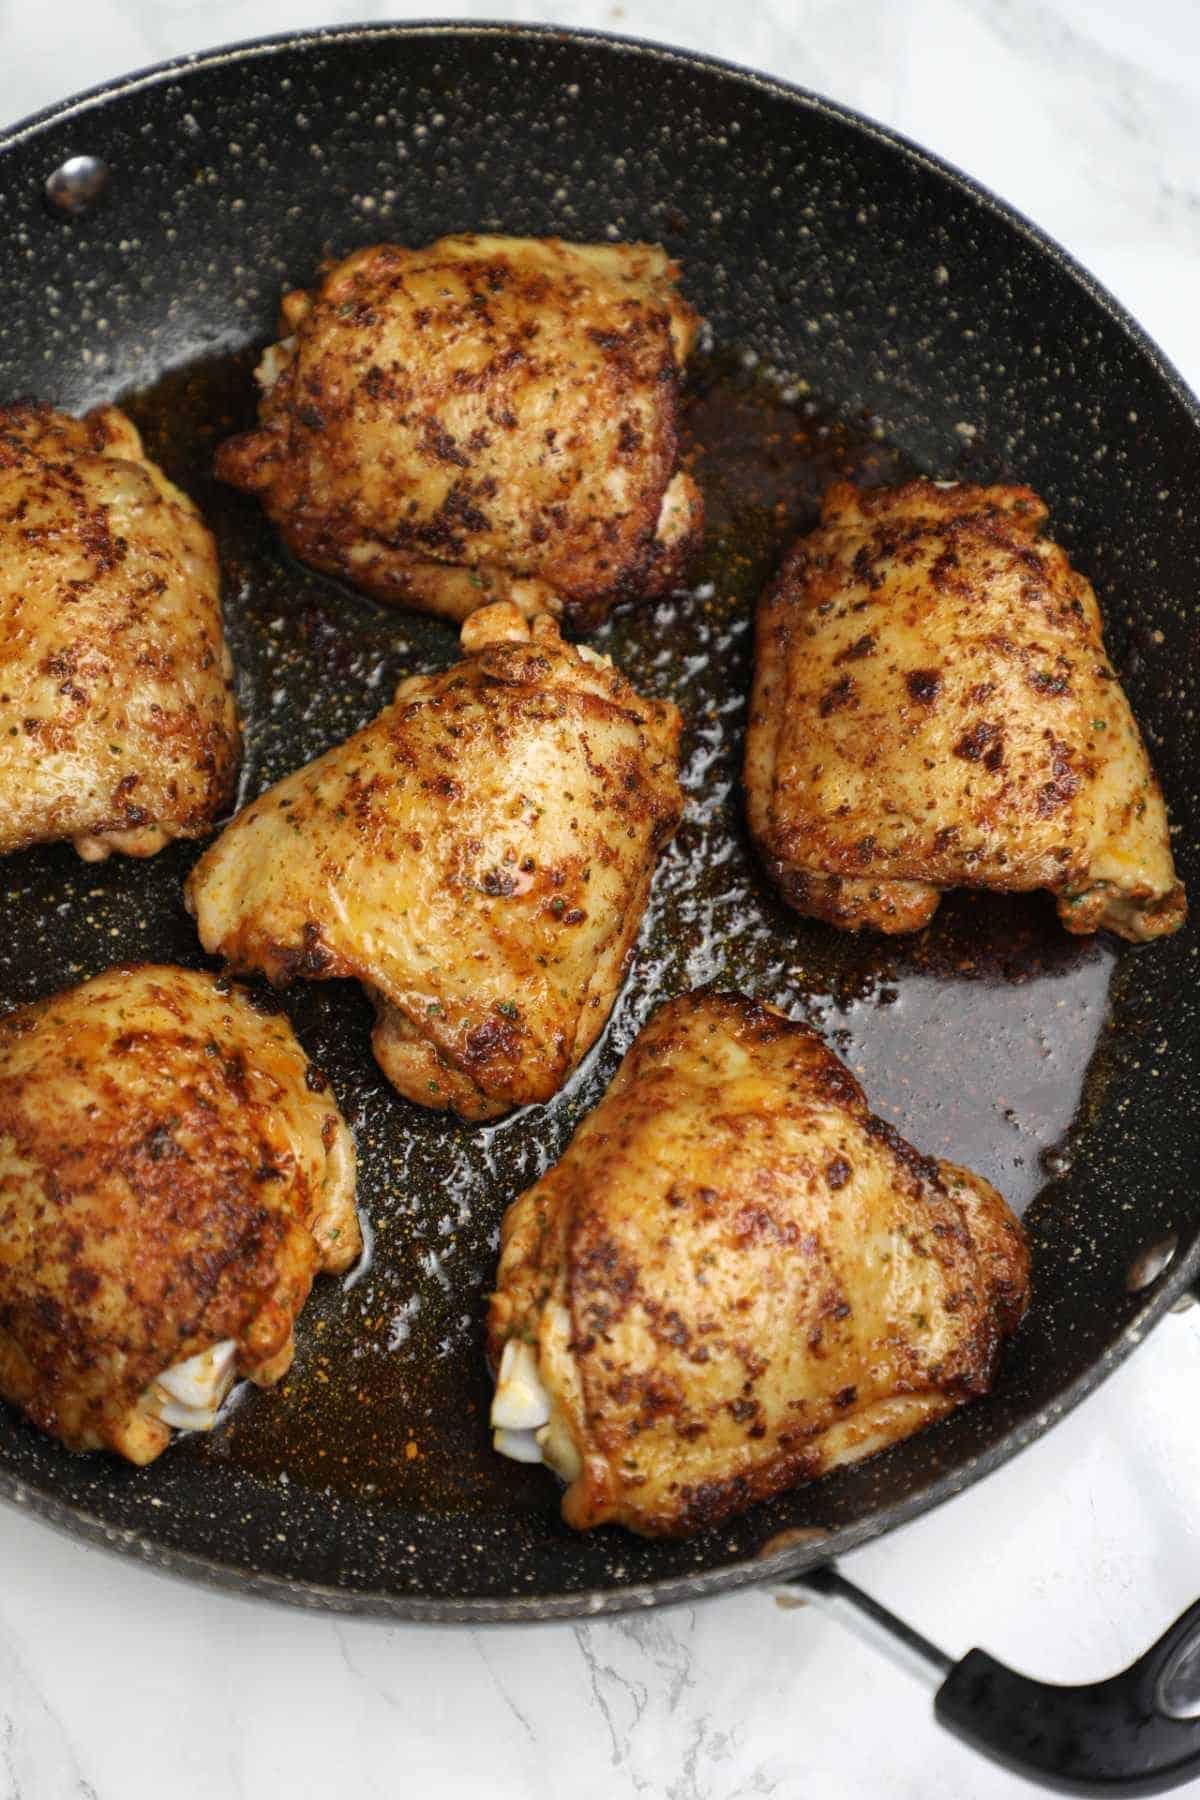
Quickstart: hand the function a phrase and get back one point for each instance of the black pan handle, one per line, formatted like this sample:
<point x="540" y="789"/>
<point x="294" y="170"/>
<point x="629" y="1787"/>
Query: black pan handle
<point x="1136" y="1733"/>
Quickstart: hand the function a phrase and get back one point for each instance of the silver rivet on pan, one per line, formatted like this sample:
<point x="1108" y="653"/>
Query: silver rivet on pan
<point x="77" y="184"/>
<point x="1149" y="1263"/>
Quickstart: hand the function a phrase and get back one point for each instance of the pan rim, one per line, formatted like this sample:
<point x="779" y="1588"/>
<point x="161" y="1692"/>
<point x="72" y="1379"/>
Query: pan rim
<point x="85" y="1525"/>
<point x="274" y="43"/>
<point x="246" y="1582"/>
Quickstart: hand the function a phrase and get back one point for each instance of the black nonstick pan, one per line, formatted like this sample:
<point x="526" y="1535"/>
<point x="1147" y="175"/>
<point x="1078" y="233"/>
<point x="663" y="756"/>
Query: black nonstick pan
<point x="871" y="313"/>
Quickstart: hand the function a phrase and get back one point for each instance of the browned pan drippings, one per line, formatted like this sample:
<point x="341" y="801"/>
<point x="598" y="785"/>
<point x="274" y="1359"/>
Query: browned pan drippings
<point x="973" y="1037"/>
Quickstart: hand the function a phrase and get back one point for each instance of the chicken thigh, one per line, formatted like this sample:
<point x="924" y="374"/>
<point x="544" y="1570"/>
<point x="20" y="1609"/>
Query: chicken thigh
<point x="737" y="1279"/>
<point x="933" y="708"/>
<point x="479" y="857"/>
<point x="172" y="1173"/>
<point x="487" y="418"/>
<point x="118" y="729"/>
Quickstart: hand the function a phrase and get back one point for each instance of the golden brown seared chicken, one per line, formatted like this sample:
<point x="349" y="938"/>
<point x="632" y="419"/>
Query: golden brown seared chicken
<point x="172" y="1173"/>
<point x="933" y="708"/>
<point x="487" y="418"/>
<point x="479" y="857"/>
<point x="738" y="1279"/>
<point x="118" y="728"/>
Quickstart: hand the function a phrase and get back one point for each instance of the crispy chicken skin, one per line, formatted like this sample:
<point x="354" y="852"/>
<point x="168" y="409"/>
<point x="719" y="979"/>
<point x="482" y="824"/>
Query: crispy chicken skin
<point x="737" y="1279"/>
<point x="479" y="857"/>
<point x="933" y="708"/>
<point x="172" y="1173"/>
<point x="487" y="418"/>
<point x="118" y="729"/>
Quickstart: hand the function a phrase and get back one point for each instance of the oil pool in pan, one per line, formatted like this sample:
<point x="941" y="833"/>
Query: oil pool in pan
<point x="974" y="1037"/>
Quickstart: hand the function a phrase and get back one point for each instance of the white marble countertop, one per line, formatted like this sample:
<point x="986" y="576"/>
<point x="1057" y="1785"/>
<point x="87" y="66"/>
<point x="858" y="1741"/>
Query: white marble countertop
<point x="117" y="1684"/>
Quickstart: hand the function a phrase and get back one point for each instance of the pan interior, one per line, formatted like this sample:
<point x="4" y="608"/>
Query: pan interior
<point x="843" y="344"/>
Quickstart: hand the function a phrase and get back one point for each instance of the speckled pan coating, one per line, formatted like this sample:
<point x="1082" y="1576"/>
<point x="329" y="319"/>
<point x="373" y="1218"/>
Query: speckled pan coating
<point x="946" y="336"/>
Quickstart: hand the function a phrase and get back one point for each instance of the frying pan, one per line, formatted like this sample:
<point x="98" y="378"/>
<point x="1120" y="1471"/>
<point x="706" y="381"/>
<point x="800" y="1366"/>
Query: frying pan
<point x="872" y="312"/>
